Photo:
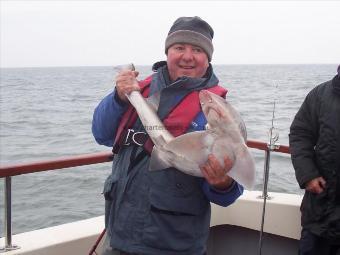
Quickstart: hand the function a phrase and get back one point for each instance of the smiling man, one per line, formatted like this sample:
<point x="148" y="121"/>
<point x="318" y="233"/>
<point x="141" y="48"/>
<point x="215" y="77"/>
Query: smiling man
<point x="162" y="212"/>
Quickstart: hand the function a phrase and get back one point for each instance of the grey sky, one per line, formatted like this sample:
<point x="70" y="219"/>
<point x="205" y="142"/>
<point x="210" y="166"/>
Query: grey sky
<point x="99" y="33"/>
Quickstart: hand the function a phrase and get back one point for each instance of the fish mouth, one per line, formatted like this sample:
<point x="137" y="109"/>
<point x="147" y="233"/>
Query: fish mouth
<point x="209" y="108"/>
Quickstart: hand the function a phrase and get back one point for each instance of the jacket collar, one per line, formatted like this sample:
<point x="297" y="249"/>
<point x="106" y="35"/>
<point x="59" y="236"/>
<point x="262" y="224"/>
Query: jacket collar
<point x="171" y="93"/>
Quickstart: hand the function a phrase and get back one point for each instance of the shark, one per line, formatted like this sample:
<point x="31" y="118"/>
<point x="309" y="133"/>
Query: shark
<point x="225" y="135"/>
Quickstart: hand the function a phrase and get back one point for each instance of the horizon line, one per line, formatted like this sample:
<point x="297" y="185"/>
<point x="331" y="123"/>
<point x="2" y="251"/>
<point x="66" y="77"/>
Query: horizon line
<point x="251" y="64"/>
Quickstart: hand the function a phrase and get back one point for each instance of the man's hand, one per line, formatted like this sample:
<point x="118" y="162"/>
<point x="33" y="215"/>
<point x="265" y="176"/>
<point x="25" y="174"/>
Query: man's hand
<point x="215" y="174"/>
<point x="126" y="82"/>
<point x="316" y="185"/>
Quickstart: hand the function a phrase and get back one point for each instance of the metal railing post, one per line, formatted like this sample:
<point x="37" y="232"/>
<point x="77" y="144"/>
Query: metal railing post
<point x="266" y="174"/>
<point x="8" y="216"/>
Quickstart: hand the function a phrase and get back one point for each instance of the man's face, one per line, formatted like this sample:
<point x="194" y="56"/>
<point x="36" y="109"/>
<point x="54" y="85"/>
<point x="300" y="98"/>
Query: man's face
<point x="186" y="60"/>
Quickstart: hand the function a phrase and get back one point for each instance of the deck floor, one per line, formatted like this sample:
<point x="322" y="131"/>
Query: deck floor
<point x="233" y="240"/>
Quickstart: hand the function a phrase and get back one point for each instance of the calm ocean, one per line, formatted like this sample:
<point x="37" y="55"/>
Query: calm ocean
<point x="46" y="113"/>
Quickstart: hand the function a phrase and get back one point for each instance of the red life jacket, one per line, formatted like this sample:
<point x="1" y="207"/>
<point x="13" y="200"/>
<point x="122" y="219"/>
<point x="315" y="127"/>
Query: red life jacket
<point x="177" y="121"/>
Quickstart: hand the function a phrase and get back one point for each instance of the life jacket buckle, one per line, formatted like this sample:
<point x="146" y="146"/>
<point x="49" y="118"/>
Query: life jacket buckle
<point x="138" y="138"/>
<point x="127" y="140"/>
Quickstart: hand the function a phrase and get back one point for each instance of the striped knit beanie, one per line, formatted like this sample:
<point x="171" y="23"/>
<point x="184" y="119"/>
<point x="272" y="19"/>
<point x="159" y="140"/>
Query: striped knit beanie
<point x="191" y="30"/>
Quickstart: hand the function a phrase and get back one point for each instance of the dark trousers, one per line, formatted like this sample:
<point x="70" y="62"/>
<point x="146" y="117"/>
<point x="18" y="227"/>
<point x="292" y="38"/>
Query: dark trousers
<point x="311" y="244"/>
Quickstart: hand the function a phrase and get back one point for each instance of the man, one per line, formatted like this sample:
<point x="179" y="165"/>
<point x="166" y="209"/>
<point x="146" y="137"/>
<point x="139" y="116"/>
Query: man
<point x="162" y="212"/>
<point x="315" y="149"/>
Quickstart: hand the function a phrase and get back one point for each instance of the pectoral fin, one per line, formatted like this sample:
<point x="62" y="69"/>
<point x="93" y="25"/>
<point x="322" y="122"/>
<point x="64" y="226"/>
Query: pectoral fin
<point x="243" y="170"/>
<point x="160" y="159"/>
<point x="186" y="153"/>
<point x="194" y="145"/>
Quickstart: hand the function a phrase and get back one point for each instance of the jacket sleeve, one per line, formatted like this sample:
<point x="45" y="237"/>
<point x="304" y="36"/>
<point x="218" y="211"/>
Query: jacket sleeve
<point x="222" y="198"/>
<point x="106" y="119"/>
<point x="303" y="137"/>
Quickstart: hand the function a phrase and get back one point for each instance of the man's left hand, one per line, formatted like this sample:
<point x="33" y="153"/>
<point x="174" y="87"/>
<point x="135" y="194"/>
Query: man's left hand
<point x="215" y="174"/>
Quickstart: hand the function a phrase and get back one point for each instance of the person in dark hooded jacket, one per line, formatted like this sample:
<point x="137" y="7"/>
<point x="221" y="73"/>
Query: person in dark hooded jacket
<point x="315" y="150"/>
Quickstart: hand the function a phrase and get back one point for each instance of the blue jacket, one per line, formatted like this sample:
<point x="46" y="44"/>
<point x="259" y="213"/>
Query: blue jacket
<point x="161" y="212"/>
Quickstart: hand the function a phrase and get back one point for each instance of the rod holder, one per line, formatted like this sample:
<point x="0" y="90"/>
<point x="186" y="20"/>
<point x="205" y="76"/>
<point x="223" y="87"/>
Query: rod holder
<point x="266" y="176"/>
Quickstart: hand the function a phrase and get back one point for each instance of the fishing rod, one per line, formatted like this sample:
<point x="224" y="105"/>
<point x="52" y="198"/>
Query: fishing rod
<point x="272" y="145"/>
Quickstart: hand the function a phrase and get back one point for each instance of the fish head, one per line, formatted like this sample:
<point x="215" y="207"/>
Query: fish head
<point x="214" y="108"/>
<point x="220" y="114"/>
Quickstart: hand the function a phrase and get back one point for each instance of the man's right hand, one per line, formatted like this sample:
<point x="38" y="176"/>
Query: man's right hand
<point x="316" y="185"/>
<point x="126" y="82"/>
